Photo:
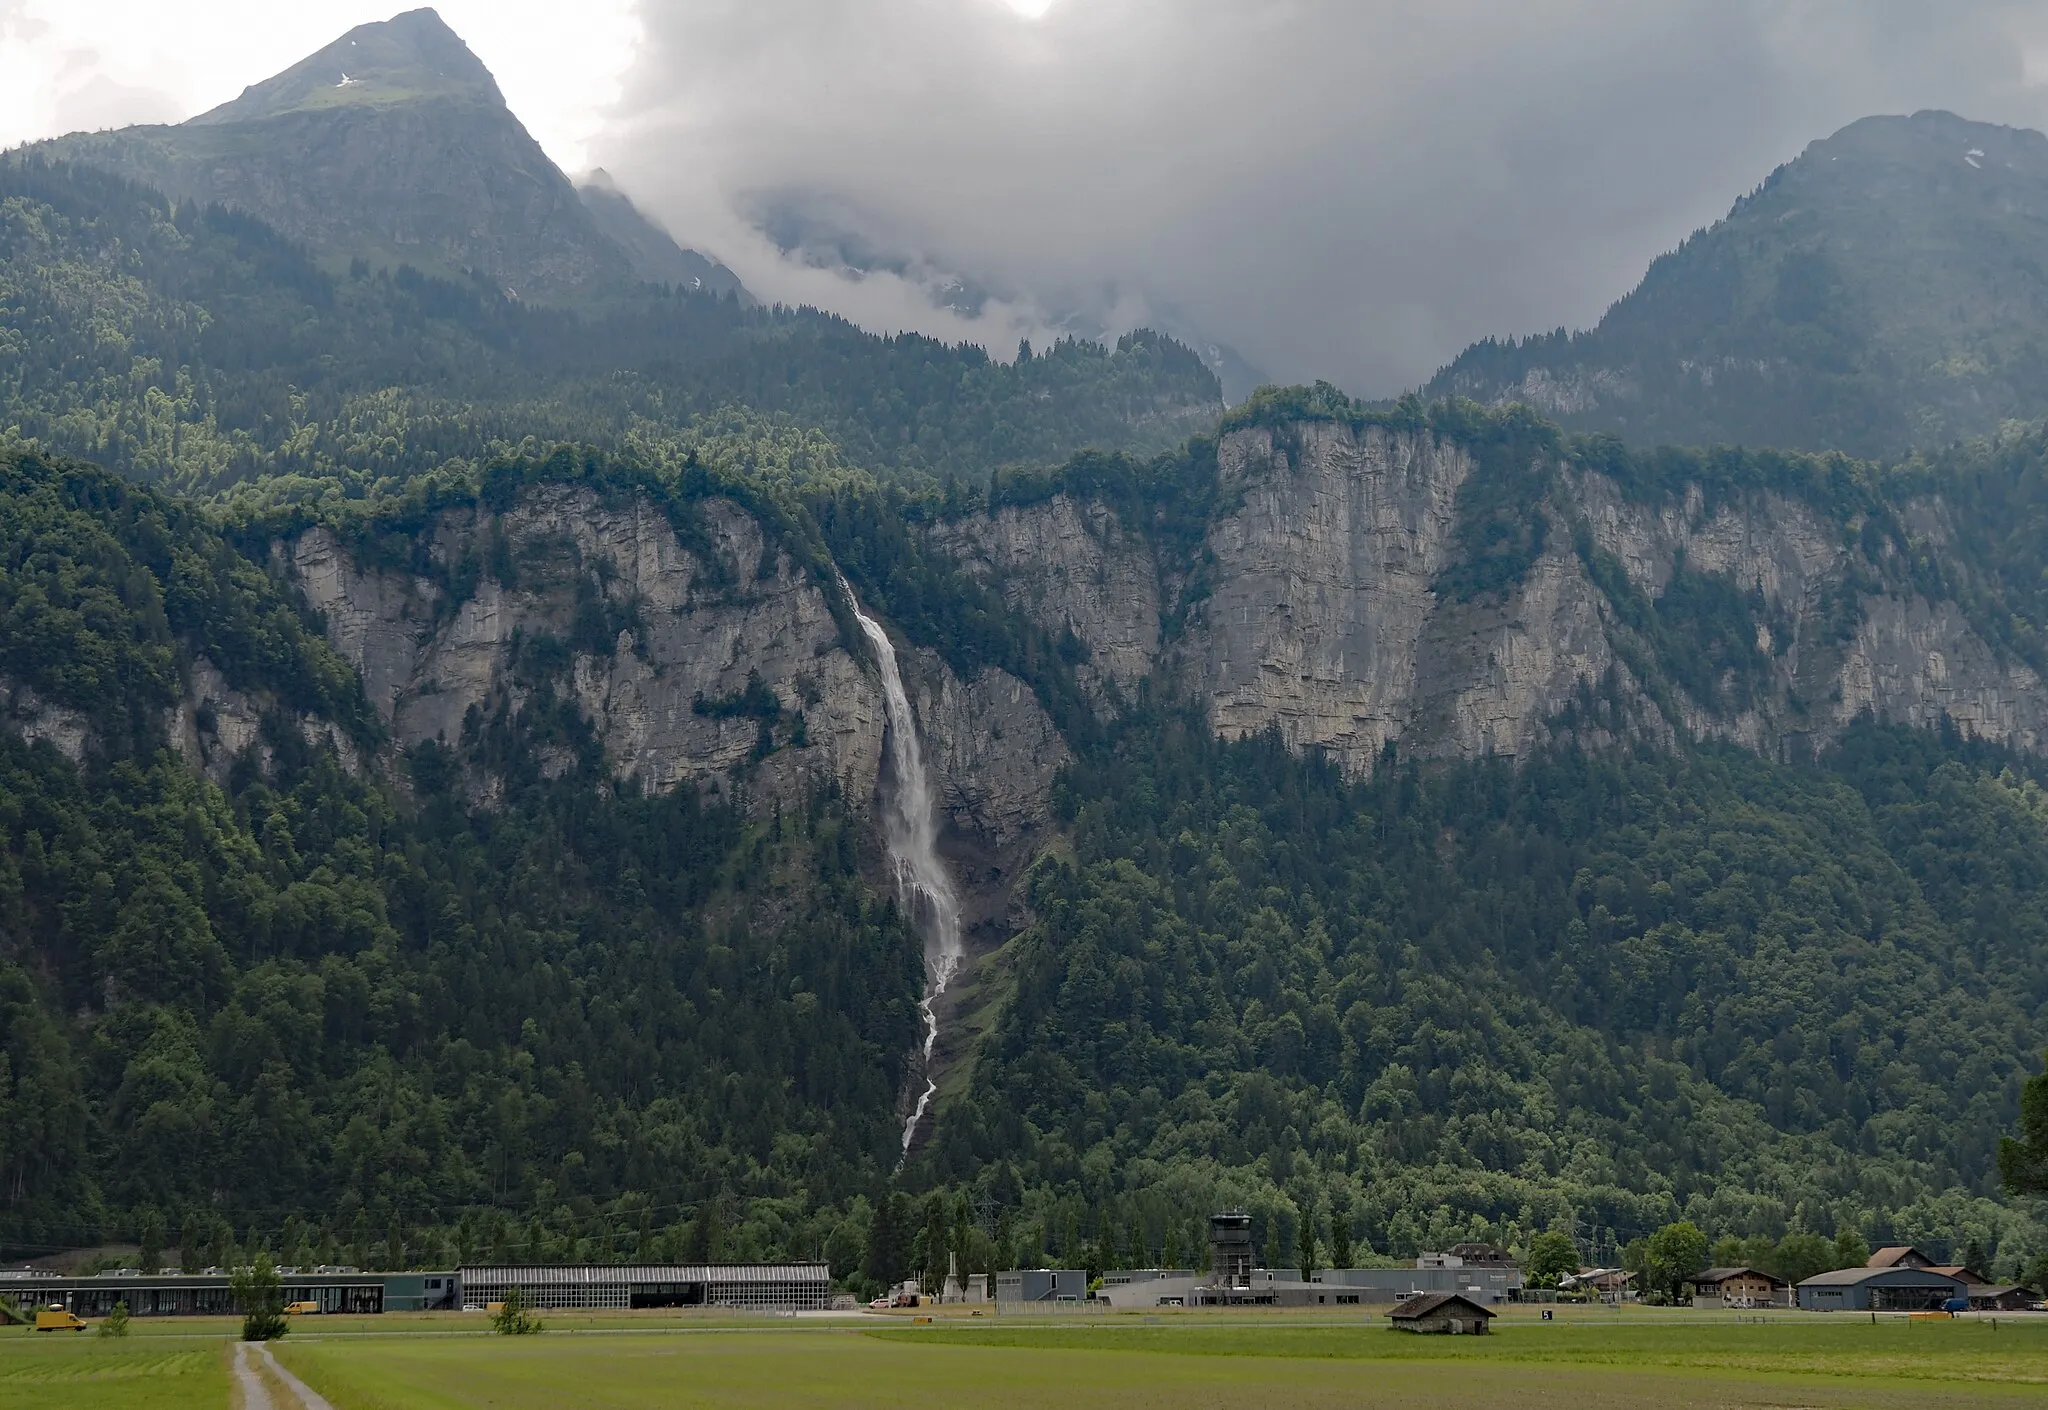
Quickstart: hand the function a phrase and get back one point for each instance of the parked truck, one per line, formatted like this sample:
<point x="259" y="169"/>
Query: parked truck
<point x="57" y="1318"/>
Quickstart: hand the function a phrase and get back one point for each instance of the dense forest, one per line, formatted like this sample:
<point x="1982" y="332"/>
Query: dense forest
<point x="311" y="993"/>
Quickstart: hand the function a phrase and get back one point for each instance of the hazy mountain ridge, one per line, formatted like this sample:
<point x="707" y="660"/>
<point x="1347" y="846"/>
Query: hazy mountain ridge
<point x="1884" y="291"/>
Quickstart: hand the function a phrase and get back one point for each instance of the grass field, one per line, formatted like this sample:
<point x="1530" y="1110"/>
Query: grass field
<point x="639" y="1362"/>
<point x="145" y="1373"/>
<point x="1189" y="1363"/>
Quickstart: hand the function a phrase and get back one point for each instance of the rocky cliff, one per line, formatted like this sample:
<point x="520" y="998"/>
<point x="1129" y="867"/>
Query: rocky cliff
<point x="694" y="653"/>
<point x="1324" y="605"/>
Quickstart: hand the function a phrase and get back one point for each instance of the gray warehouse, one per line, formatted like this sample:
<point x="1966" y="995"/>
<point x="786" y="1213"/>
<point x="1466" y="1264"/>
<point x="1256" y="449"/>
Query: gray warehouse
<point x="1880" y="1290"/>
<point x="1043" y="1285"/>
<point x="752" y="1287"/>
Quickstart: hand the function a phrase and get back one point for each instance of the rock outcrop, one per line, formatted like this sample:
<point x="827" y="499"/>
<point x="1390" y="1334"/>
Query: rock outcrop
<point x="717" y="662"/>
<point x="1071" y="566"/>
<point x="1320" y="611"/>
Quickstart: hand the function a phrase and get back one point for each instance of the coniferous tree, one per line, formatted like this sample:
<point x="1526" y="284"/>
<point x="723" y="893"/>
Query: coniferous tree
<point x="150" y="1258"/>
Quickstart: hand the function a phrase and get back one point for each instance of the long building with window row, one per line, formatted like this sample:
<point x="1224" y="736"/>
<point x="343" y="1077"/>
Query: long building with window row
<point x="758" y="1287"/>
<point x="750" y="1287"/>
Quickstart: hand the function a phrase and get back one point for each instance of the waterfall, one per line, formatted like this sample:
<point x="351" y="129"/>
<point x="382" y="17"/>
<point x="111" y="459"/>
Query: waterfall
<point x="910" y="830"/>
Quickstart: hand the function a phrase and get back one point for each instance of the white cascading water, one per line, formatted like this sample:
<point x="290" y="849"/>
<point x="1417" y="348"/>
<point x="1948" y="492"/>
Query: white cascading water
<point x="911" y="831"/>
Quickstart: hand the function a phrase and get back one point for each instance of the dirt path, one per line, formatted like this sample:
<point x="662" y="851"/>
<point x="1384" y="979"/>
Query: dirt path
<point x="250" y="1391"/>
<point x="308" y="1398"/>
<point x="264" y="1384"/>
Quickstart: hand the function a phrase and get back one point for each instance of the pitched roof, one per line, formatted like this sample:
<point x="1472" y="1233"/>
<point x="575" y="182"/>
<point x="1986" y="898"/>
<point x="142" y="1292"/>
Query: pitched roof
<point x="1895" y="1255"/>
<point x="1960" y="1270"/>
<point x="1722" y="1275"/>
<point x="1424" y="1305"/>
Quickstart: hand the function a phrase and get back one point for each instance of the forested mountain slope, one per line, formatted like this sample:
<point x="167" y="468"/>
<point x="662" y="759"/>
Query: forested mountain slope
<point x="393" y="145"/>
<point x="256" y="966"/>
<point x="195" y="347"/>
<point x="538" y="908"/>
<point x="440" y="760"/>
<point x="1884" y="291"/>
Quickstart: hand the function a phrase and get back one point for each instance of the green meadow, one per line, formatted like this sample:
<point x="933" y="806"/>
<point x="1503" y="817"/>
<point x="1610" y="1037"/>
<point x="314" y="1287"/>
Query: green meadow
<point x="1183" y="1362"/>
<point x="57" y="1372"/>
<point x="1586" y="1362"/>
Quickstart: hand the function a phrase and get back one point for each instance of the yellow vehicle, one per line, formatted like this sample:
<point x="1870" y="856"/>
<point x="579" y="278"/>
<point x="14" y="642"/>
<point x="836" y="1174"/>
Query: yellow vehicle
<point x="300" y="1309"/>
<point x="55" y="1318"/>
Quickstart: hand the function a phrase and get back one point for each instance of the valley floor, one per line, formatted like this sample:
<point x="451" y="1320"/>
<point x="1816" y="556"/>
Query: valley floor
<point x="1587" y="1359"/>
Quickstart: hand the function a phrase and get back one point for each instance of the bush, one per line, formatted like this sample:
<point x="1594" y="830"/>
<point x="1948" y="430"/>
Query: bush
<point x="259" y="1292"/>
<point x="115" y="1323"/>
<point x="512" y="1319"/>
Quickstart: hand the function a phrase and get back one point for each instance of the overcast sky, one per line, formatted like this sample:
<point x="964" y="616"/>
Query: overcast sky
<point x="1351" y="189"/>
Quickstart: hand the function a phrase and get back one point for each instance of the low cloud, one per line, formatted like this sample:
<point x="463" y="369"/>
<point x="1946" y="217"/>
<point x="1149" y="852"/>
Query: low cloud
<point x="1343" y="188"/>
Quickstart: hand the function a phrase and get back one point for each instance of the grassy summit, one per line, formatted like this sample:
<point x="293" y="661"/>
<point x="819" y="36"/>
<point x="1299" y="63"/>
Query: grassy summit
<point x="409" y="58"/>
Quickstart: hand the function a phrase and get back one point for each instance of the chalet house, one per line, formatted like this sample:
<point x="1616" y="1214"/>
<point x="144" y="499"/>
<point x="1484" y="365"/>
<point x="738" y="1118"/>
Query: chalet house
<point x="1899" y="1256"/>
<point x="2002" y="1297"/>
<point x="1739" y="1287"/>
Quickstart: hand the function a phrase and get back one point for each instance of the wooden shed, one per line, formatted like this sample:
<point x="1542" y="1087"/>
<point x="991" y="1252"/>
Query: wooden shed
<point x="1442" y="1313"/>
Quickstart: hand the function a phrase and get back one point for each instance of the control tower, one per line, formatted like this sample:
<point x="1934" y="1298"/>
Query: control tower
<point x="1230" y="1250"/>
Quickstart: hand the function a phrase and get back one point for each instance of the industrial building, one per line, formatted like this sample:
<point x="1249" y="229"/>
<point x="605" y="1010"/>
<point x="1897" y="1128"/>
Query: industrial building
<point x="1478" y="1272"/>
<point x="800" y="1287"/>
<point x="1897" y="1289"/>
<point x="207" y="1294"/>
<point x="1042" y="1285"/>
<point x="750" y="1287"/>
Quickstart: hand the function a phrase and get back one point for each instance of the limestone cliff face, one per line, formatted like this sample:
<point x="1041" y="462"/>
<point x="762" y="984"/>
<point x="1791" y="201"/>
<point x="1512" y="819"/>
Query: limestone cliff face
<point x="663" y="642"/>
<point x="1074" y="566"/>
<point x="1319" y="610"/>
<point x="1322" y="584"/>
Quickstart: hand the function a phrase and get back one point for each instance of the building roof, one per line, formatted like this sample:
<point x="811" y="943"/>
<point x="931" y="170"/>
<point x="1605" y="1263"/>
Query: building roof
<point x="1430" y="1303"/>
<point x="1849" y="1277"/>
<point x="1899" y="1256"/>
<point x="1480" y="1253"/>
<point x="1961" y="1270"/>
<point x="1710" y="1276"/>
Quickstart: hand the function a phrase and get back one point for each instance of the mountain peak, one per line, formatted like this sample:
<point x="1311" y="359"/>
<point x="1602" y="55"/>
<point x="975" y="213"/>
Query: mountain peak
<point x="408" y="58"/>
<point x="1880" y="293"/>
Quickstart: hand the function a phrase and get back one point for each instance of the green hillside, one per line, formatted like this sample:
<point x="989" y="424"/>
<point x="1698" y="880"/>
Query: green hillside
<point x="194" y="347"/>
<point x="1885" y="291"/>
<point x="302" y="994"/>
<point x="1467" y="1000"/>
